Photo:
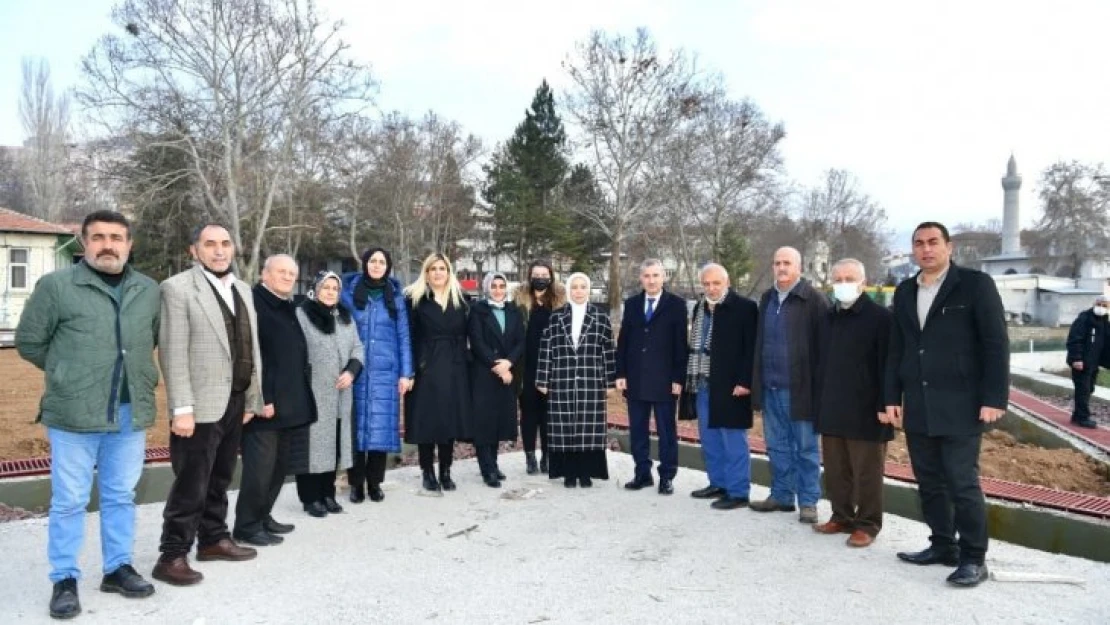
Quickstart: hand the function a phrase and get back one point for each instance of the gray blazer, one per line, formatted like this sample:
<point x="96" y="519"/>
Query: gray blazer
<point x="193" y="347"/>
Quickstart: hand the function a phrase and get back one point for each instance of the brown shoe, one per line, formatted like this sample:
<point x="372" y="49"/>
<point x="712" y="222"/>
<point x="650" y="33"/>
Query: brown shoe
<point x="832" y="527"/>
<point x="226" y="549"/>
<point x="176" y="571"/>
<point x="860" y="538"/>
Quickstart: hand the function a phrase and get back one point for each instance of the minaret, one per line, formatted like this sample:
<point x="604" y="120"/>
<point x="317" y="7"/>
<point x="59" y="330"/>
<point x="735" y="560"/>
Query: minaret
<point x="1011" y="226"/>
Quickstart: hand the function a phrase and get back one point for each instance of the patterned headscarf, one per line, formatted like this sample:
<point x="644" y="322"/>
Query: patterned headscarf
<point x="487" y="282"/>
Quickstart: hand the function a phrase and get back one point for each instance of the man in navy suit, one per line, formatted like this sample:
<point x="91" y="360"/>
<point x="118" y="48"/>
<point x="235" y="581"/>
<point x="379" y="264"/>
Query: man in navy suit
<point x="651" y="366"/>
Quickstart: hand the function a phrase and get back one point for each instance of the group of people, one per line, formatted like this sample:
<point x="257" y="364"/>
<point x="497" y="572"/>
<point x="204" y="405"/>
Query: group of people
<point x="309" y="388"/>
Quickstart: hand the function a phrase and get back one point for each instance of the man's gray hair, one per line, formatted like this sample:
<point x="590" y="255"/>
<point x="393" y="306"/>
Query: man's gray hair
<point x="850" y="262"/>
<point x="270" y="260"/>
<point x="710" y="266"/>
<point x="652" y="262"/>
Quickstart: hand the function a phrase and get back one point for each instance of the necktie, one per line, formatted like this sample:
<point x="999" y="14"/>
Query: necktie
<point x="650" y="309"/>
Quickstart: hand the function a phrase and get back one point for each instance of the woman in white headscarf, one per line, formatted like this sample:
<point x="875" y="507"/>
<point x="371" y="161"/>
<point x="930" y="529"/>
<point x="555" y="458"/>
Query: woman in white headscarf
<point x="496" y="331"/>
<point x="577" y="368"/>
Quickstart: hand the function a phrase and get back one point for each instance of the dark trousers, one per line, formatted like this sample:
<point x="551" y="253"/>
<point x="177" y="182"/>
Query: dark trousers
<point x="639" y="421"/>
<point x="427" y="455"/>
<point x="265" y="456"/>
<point x="315" y="486"/>
<point x="196" y="507"/>
<point x="854" y="481"/>
<point x="487" y="458"/>
<point x="533" y="419"/>
<point x="947" y="472"/>
<point x="368" y="468"/>
<point x="1084" y="382"/>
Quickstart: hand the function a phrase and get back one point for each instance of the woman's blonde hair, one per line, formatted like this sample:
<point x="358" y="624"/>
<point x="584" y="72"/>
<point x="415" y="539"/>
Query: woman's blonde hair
<point x="419" y="289"/>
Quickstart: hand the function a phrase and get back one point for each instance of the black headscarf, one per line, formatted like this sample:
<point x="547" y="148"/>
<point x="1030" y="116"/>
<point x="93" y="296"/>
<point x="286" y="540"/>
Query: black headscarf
<point x="363" y="286"/>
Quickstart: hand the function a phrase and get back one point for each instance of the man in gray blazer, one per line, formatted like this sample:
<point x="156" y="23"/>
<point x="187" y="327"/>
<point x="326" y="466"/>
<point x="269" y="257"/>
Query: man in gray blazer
<point x="208" y="349"/>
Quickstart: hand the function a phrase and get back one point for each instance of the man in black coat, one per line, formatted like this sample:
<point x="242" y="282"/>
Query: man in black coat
<point x="719" y="383"/>
<point x="1086" y="343"/>
<point x="287" y="404"/>
<point x="946" y="376"/>
<point x="787" y="352"/>
<point x="651" y="368"/>
<point x="851" y="413"/>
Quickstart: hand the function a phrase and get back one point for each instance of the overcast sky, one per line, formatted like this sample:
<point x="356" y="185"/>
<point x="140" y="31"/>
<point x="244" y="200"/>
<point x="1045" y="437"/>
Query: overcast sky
<point x="923" y="102"/>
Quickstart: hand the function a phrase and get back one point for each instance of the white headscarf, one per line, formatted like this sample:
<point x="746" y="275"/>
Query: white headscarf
<point x="487" y="282"/>
<point x="577" y="311"/>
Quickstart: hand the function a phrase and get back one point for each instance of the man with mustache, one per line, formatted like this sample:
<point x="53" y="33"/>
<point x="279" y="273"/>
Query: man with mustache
<point x="92" y="327"/>
<point x="208" y="342"/>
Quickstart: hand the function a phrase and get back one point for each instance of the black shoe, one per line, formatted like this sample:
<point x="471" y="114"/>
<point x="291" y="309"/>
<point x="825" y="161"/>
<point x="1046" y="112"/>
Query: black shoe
<point x="332" y="505"/>
<point x="930" y="556"/>
<point x="491" y="480"/>
<point x="445" y="479"/>
<point x="261" y="538"/>
<point x="1085" y="423"/>
<point x="530" y="463"/>
<point x="430" y="481"/>
<point x="729" y="503"/>
<point x="499" y="474"/>
<point x="543" y="463"/>
<point x="376" y="494"/>
<point x="570" y="482"/>
<point x="316" y="509"/>
<point x="666" y="487"/>
<point x="272" y="526"/>
<point x="640" y="482"/>
<point x="968" y="575"/>
<point x="64" y="602"/>
<point x="585" y="482"/>
<point x="127" y="582"/>
<point x="709" y="492"/>
<point x="357" y="495"/>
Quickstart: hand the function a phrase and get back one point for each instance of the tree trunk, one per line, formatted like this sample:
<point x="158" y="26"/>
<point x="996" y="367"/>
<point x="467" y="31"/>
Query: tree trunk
<point x="615" y="271"/>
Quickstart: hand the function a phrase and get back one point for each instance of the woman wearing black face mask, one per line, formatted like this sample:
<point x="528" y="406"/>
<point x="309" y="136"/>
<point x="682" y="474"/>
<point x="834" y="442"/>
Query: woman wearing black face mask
<point x="537" y="298"/>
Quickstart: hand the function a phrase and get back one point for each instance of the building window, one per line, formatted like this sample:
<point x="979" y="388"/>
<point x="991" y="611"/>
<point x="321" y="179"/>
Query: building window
<point x="18" y="258"/>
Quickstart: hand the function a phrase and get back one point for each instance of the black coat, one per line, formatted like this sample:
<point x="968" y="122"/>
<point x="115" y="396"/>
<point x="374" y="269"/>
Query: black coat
<point x="494" y="403"/>
<point x="1087" y="341"/>
<point x="853" y="362"/>
<point x="652" y="355"/>
<point x="438" y="407"/>
<point x="943" y="374"/>
<point x="805" y="308"/>
<point x="534" y="325"/>
<point x="731" y="356"/>
<point x="286" y="374"/>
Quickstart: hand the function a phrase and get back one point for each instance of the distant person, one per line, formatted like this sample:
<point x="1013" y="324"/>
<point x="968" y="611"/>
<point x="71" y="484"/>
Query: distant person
<point x="947" y="376"/>
<point x="1086" y="344"/>
<point x="92" y="327"/>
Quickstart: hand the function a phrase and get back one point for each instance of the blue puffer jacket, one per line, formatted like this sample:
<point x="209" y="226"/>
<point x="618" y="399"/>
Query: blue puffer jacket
<point x="388" y="358"/>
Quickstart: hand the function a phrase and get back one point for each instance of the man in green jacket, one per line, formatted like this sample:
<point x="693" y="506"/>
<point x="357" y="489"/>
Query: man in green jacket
<point x="92" y="328"/>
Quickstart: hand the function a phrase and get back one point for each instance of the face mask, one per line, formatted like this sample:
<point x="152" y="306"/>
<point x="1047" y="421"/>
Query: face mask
<point x="540" y="284"/>
<point x="1099" y="311"/>
<point x="846" y="292"/>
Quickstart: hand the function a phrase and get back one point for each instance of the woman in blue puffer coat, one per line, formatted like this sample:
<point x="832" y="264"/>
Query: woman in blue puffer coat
<point x="377" y="306"/>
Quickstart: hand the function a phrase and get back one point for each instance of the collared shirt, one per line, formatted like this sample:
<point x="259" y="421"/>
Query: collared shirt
<point x="223" y="287"/>
<point x="654" y="302"/>
<point x="926" y="294"/>
<point x="783" y="293"/>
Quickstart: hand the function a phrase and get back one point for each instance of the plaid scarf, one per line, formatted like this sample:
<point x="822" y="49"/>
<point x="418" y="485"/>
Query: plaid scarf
<point x="697" y="368"/>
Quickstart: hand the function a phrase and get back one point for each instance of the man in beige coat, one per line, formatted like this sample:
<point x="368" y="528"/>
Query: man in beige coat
<point x="208" y="349"/>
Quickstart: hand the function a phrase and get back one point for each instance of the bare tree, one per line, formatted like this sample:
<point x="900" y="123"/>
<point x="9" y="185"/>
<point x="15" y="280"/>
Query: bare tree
<point x="1075" y="225"/>
<point x="233" y="84"/>
<point x="626" y="99"/>
<point x="840" y="215"/>
<point x="43" y="162"/>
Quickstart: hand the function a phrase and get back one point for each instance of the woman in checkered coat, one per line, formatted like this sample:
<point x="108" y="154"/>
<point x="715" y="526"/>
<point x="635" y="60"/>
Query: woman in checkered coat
<point x="577" y="369"/>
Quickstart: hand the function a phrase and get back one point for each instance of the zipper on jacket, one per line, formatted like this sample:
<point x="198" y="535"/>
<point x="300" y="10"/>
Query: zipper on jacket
<point x="119" y="363"/>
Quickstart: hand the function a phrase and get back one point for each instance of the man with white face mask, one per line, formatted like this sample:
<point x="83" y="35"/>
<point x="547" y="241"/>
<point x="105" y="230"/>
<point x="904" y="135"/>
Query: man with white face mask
<point x="850" y="405"/>
<point x="1086" y="342"/>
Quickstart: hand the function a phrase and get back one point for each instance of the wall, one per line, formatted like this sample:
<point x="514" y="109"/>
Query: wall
<point x="42" y="260"/>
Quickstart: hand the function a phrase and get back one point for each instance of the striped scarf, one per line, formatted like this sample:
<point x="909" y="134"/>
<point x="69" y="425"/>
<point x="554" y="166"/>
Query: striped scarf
<point x="701" y="339"/>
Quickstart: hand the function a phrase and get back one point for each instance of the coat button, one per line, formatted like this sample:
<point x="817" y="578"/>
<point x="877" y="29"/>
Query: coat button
<point x="920" y="351"/>
<point x="924" y="383"/>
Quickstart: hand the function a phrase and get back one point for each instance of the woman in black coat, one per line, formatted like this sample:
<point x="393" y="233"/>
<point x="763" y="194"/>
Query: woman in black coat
<point x="437" y="410"/>
<point x="536" y="299"/>
<point x="496" y="330"/>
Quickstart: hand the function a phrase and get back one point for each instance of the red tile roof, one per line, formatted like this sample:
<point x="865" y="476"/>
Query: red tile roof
<point x="11" y="221"/>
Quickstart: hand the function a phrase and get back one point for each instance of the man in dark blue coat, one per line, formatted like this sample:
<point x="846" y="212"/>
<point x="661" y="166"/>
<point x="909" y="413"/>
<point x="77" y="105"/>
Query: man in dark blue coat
<point x="651" y="366"/>
<point x="1086" y="343"/>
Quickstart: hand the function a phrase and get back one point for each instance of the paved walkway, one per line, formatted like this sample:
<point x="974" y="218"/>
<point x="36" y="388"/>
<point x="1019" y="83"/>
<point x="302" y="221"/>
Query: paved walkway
<point x="1059" y="417"/>
<point x="602" y="555"/>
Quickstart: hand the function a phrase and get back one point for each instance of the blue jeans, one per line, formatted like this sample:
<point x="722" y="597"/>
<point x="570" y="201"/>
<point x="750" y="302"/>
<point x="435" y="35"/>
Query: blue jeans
<point x="728" y="460"/>
<point x="118" y="459"/>
<point x="793" y="451"/>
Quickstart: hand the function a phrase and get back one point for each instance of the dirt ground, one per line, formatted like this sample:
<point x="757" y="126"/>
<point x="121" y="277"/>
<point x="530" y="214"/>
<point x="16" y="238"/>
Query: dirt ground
<point x="1003" y="457"/>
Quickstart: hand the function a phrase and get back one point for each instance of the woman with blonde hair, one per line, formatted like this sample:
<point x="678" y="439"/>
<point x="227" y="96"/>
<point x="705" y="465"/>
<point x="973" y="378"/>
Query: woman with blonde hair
<point x="540" y="294"/>
<point x="437" y="410"/>
<point x="576" y="370"/>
